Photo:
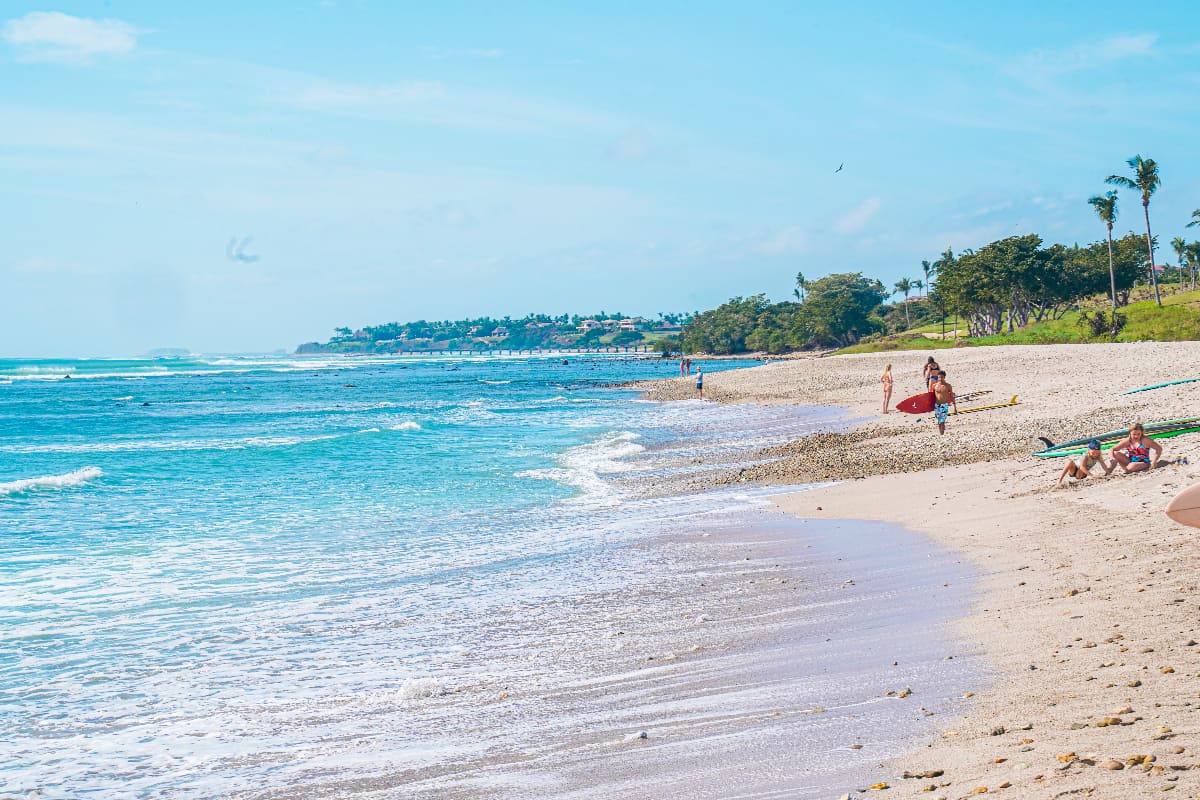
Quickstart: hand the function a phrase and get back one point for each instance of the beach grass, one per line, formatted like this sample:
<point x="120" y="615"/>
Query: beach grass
<point x="1178" y="320"/>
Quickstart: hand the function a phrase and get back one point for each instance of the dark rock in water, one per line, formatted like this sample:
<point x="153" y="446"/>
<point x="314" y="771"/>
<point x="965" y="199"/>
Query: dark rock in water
<point x="349" y="386"/>
<point x="146" y="403"/>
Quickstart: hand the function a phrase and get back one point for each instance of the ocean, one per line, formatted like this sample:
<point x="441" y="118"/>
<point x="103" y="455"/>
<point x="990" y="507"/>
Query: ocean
<point x="420" y="577"/>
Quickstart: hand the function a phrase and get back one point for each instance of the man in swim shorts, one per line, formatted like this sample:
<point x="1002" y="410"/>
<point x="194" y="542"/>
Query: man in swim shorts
<point x="943" y="397"/>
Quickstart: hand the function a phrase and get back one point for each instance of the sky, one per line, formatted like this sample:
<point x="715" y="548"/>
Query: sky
<point x="402" y="161"/>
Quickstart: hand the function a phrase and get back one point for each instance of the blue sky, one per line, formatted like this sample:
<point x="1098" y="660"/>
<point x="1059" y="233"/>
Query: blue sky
<point x="401" y="161"/>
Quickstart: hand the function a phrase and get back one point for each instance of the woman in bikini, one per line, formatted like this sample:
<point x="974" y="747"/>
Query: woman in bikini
<point x="887" y="387"/>
<point x="1136" y="452"/>
<point x="931" y="372"/>
<point x="1083" y="468"/>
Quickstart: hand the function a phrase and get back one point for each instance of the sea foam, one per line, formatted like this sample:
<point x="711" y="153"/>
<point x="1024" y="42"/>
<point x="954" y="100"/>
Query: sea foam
<point x="65" y="481"/>
<point x="407" y="425"/>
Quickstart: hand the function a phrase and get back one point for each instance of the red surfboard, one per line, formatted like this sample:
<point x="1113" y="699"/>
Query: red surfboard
<point x="917" y="404"/>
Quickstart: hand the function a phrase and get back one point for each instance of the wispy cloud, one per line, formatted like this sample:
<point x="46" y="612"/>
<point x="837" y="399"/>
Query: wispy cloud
<point x="857" y="218"/>
<point x="1039" y="65"/>
<point x="437" y="103"/>
<point x="58" y="37"/>
<point x="327" y="96"/>
<point x="441" y="53"/>
<point x="787" y="241"/>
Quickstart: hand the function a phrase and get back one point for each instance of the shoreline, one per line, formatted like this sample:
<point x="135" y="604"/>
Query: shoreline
<point x="1087" y="601"/>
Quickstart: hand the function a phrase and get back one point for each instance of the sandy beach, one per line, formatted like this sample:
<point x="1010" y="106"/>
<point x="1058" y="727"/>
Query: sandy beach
<point x="1087" y="606"/>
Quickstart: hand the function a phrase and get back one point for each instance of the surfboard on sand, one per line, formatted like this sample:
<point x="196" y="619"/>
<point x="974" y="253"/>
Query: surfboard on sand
<point x="1011" y="402"/>
<point x="1160" y="385"/>
<point x="1185" y="508"/>
<point x="1167" y="424"/>
<point x="917" y="404"/>
<point x="1111" y="443"/>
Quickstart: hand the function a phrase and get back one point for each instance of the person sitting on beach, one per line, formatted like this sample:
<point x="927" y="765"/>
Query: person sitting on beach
<point x="943" y="398"/>
<point x="887" y="387"/>
<point x="1083" y="468"/>
<point x="1136" y="452"/>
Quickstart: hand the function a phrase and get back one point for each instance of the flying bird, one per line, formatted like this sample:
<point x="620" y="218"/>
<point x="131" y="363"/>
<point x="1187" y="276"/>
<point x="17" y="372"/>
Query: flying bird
<point x="839" y="169"/>
<point x="236" y="251"/>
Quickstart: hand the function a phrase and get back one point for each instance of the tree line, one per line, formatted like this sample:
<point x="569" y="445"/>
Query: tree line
<point x="1002" y="286"/>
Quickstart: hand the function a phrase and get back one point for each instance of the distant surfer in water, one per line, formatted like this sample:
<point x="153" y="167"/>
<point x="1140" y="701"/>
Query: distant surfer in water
<point x="887" y="387"/>
<point x="1083" y="468"/>
<point x="943" y="398"/>
<point x="1136" y="452"/>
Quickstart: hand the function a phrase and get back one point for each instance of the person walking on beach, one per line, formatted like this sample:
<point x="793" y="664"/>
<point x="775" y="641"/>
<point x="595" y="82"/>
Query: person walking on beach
<point x="700" y="382"/>
<point x="1136" y="452"/>
<point x="943" y="398"/>
<point x="887" y="387"/>
<point x="1083" y="468"/>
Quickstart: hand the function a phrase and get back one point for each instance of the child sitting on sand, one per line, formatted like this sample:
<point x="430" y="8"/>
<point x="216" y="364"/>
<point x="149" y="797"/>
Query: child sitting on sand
<point x="1083" y="468"/>
<point x="1137" y="451"/>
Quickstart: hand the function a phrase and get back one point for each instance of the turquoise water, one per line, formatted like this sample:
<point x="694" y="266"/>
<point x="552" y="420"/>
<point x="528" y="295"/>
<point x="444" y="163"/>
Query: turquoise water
<point x="228" y="575"/>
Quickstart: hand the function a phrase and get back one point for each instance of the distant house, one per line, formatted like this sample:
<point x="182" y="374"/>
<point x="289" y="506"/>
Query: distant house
<point x="590" y="325"/>
<point x="664" y="325"/>
<point x="500" y="333"/>
<point x="611" y="324"/>
<point x="632" y="324"/>
<point x="474" y="329"/>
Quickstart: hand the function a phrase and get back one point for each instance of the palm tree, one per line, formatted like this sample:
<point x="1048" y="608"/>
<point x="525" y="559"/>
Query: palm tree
<point x="929" y="270"/>
<point x="904" y="285"/>
<point x="1193" y="254"/>
<point x="918" y="284"/>
<point x="1195" y="219"/>
<point x="1146" y="181"/>
<point x="801" y="286"/>
<point x="1180" y="248"/>
<point x="1106" y="209"/>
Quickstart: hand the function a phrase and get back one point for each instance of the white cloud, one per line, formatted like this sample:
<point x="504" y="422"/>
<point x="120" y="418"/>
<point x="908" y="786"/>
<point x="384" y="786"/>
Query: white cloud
<point x="857" y="218"/>
<point x="54" y="36"/>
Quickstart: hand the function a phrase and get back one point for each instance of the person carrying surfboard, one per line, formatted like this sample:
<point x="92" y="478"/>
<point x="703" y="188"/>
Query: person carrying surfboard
<point x="1136" y="452"/>
<point x="1083" y="468"/>
<point x="943" y="397"/>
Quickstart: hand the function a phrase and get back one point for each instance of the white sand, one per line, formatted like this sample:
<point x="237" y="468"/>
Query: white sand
<point x="1088" y="605"/>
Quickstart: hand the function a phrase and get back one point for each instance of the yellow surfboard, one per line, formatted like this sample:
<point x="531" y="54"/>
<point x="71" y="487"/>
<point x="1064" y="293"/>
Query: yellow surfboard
<point x="1012" y="402"/>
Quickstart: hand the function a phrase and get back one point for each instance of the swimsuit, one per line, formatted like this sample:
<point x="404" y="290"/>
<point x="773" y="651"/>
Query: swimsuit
<point x="1138" y="453"/>
<point x="941" y="412"/>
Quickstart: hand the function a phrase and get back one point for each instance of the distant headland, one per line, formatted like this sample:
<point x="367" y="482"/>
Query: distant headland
<point x="487" y="334"/>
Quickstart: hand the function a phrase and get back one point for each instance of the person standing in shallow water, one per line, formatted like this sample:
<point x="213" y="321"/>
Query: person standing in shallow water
<point x="887" y="387"/>
<point x="943" y="398"/>
<point x="700" y="382"/>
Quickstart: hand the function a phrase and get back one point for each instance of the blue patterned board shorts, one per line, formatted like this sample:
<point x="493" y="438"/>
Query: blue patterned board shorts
<point x="941" y="412"/>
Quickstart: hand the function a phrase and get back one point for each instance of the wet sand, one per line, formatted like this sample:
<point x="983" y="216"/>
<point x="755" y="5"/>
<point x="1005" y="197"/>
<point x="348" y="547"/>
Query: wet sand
<point x="1088" y="607"/>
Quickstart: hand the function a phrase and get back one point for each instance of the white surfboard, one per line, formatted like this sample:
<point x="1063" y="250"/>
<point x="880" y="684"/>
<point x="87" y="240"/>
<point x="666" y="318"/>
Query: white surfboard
<point x="1185" y="508"/>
